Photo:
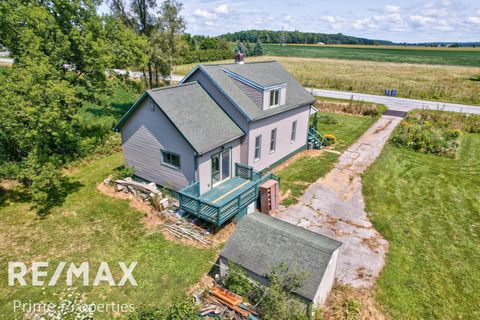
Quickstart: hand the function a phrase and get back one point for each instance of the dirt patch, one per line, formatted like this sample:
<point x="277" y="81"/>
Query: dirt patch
<point x="348" y="303"/>
<point x="9" y="184"/>
<point x="153" y="220"/>
<point x="205" y="283"/>
<point x="304" y="153"/>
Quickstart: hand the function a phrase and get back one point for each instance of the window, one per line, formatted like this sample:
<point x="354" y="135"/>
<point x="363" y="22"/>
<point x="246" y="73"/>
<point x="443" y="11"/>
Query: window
<point x="274" y="97"/>
<point x="273" y="140"/>
<point x="294" y="132"/>
<point x="171" y="159"/>
<point x="258" y="147"/>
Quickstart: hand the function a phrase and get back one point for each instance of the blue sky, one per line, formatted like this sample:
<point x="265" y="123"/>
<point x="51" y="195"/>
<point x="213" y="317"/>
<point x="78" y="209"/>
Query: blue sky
<point x="400" y="21"/>
<point x="408" y="20"/>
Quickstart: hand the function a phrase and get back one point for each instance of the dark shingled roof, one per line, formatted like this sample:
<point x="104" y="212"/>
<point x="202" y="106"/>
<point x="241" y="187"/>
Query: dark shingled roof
<point x="265" y="74"/>
<point x="260" y="243"/>
<point x="195" y="114"/>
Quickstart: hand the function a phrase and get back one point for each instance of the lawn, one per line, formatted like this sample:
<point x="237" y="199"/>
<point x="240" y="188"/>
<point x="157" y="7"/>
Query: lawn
<point x="419" y="81"/>
<point x="89" y="226"/>
<point x="440" y="56"/>
<point x="296" y="177"/>
<point x="428" y="207"/>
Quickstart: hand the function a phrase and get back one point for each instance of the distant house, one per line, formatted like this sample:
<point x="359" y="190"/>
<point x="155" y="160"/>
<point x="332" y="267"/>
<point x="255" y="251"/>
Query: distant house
<point x="260" y="243"/>
<point x="209" y="137"/>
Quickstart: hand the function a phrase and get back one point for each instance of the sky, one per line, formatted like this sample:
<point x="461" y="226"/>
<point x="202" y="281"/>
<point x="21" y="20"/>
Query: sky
<point x="399" y="21"/>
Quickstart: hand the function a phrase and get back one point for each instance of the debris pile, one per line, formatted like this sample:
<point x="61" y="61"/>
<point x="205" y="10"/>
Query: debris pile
<point x="224" y="304"/>
<point x="184" y="229"/>
<point x="146" y="192"/>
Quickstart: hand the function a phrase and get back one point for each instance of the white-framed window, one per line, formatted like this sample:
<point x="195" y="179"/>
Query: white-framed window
<point x="274" y="97"/>
<point x="273" y="140"/>
<point x="293" y="135"/>
<point x="171" y="159"/>
<point x="258" y="147"/>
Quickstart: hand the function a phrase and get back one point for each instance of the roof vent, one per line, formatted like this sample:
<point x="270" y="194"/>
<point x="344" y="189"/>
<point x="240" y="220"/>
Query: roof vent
<point x="239" y="57"/>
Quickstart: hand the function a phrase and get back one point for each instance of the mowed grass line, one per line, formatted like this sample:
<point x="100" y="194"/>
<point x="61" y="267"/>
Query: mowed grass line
<point x="440" y="56"/>
<point x="428" y="208"/>
<point x="296" y="177"/>
<point x="90" y="226"/>
<point x="416" y="81"/>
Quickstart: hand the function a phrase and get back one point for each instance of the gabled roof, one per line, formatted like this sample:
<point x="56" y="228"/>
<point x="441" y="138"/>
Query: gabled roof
<point x="194" y="113"/>
<point x="260" y="243"/>
<point x="263" y="75"/>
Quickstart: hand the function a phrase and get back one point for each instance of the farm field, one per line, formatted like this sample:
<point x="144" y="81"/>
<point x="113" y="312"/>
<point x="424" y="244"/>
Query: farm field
<point x="442" y="56"/>
<point x="296" y="177"/>
<point x="428" y="209"/>
<point x="417" y="81"/>
<point x="89" y="226"/>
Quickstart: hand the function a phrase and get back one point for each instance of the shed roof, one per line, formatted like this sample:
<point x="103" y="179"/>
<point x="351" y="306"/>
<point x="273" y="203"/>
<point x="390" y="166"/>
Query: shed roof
<point x="260" y="243"/>
<point x="194" y="113"/>
<point x="264" y="74"/>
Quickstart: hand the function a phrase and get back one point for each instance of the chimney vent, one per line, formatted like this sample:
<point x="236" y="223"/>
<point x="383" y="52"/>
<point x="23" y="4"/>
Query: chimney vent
<point x="239" y="56"/>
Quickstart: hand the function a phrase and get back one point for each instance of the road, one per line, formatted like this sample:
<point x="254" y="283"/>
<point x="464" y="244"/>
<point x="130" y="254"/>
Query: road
<point x="401" y="104"/>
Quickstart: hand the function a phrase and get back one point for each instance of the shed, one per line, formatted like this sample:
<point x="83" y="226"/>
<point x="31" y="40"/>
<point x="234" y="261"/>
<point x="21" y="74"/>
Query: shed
<point x="261" y="242"/>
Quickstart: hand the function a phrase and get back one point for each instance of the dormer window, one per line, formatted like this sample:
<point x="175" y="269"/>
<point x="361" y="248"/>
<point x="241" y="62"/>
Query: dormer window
<point x="274" y="98"/>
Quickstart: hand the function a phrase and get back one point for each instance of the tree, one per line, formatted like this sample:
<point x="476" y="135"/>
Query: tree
<point x="257" y="50"/>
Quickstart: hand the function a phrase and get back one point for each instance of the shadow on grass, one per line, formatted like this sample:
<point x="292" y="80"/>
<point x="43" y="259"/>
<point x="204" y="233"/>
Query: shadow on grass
<point x="115" y="110"/>
<point x="56" y="196"/>
<point x="14" y="195"/>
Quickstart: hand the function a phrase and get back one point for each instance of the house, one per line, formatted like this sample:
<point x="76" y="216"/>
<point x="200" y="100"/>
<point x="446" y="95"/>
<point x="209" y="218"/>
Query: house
<point x="261" y="242"/>
<point x="210" y="137"/>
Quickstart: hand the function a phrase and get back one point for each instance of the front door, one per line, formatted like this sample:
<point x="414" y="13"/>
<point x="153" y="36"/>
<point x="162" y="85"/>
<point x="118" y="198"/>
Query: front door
<point x="221" y="165"/>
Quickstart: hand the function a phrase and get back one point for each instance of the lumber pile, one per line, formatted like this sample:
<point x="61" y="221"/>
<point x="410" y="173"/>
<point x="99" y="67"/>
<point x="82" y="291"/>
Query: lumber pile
<point x="224" y="304"/>
<point x="186" y="230"/>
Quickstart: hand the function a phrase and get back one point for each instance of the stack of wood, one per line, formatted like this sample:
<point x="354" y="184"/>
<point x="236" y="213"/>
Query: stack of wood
<point x="147" y="192"/>
<point x="224" y="304"/>
<point x="186" y="230"/>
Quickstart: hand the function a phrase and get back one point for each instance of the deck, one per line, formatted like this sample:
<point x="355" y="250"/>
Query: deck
<point x="226" y="200"/>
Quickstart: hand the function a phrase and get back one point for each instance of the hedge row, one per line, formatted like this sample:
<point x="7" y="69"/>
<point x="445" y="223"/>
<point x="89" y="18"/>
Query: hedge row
<point x="205" y="55"/>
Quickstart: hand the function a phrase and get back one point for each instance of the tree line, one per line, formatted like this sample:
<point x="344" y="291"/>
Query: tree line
<point x="297" y="37"/>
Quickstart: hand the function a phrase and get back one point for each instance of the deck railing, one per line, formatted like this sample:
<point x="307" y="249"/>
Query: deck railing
<point x="191" y="201"/>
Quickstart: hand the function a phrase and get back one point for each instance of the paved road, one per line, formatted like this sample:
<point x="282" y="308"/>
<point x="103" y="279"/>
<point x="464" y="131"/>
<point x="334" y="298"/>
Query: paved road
<point x="6" y="60"/>
<point x="402" y="104"/>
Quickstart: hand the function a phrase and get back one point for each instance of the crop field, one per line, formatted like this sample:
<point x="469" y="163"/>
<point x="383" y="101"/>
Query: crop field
<point x="419" y="81"/>
<point x="442" y="56"/>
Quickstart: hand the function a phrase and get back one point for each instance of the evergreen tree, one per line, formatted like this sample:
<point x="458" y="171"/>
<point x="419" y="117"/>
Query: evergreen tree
<point x="257" y="50"/>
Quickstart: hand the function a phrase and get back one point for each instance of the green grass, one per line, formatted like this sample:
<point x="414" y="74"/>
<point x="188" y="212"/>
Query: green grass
<point x="3" y="70"/>
<point x="454" y="57"/>
<point x="89" y="226"/>
<point x="296" y="177"/>
<point x="428" y="207"/>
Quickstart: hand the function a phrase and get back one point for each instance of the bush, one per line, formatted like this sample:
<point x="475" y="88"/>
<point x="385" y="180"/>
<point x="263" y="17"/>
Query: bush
<point x="353" y="107"/>
<point x="122" y="172"/>
<point x="195" y="56"/>
<point x="329" y="139"/>
<point x="434" y="132"/>
<point x="184" y="310"/>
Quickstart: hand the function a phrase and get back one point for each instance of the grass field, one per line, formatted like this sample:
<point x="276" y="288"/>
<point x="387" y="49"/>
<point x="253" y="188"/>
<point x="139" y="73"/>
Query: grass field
<point x="419" y="81"/>
<point x="299" y="175"/>
<point x="89" y="226"/>
<point x="442" y="56"/>
<point x="429" y="210"/>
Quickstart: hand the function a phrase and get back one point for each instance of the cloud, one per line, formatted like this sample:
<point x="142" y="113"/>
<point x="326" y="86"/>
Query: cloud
<point x="221" y="9"/>
<point x="392" y="9"/>
<point x="474" y="20"/>
<point x="205" y="14"/>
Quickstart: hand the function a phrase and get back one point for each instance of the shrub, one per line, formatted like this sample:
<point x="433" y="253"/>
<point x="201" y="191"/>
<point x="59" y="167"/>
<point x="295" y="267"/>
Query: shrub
<point x="353" y="107"/>
<point x="184" y="310"/>
<point x="122" y="172"/>
<point x="329" y="139"/>
<point x="434" y="132"/>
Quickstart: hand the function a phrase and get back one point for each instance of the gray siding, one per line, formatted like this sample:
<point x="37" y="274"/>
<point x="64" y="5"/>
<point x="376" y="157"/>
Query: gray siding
<point x="205" y="164"/>
<point x="227" y="106"/>
<point x="143" y="136"/>
<point x="252" y="93"/>
<point x="283" y="123"/>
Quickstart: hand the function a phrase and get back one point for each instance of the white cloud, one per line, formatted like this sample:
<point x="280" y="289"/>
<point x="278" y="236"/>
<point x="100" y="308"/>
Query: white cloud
<point x="474" y="20"/>
<point x="205" y="14"/>
<point x="421" y="20"/>
<point x="221" y="9"/>
<point x="392" y="8"/>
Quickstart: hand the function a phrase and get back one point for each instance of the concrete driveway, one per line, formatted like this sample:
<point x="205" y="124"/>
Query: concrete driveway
<point x="334" y="206"/>
<point x="402" y="104"/>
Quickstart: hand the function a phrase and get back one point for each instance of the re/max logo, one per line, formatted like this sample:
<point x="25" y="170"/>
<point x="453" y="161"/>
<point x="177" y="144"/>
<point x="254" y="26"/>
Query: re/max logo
<point x="17" y="272"/>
